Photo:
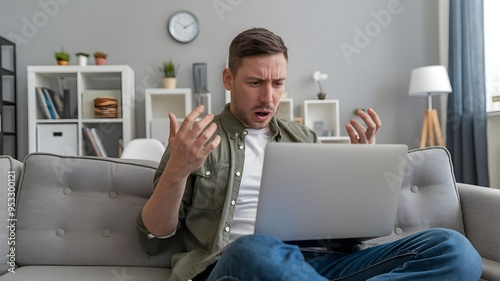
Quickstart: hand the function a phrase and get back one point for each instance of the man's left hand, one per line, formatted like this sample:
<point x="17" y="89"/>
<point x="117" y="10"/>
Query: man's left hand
<point x="357" y="133"/>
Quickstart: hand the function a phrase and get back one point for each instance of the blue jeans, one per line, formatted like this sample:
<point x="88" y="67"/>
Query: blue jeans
<point x="437" y="254"/>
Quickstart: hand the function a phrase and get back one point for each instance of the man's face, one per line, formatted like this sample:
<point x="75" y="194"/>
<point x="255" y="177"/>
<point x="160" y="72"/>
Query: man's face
<point x="256" y="89"/>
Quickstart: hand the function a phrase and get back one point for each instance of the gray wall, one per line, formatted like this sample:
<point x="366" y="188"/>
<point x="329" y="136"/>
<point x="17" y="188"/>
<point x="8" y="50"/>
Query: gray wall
<point x="382" y="40"/>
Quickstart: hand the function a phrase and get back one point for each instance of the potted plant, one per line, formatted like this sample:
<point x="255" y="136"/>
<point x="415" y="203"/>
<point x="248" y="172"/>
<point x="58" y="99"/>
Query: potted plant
<point x="82" y="58"/>
<point x="100" y="58"/>
<point x="62" y="57"/>
<point x="320" y="79"/>
<point x="170" y="72"/>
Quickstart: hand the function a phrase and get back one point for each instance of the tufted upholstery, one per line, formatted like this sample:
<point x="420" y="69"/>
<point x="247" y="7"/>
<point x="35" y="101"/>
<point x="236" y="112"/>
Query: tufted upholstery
<point x="76" y="215"/>
<point x="81" y="212"/>
<point x="430" y="197"/>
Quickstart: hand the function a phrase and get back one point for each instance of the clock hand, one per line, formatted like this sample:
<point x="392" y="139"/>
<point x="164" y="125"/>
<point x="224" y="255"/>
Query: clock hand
<point x="179" y="23"/>
<point x="188" y="25"/>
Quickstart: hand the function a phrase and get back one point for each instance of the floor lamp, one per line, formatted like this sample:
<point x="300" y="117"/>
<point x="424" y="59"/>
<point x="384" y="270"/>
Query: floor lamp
<point x="429" y="81"/>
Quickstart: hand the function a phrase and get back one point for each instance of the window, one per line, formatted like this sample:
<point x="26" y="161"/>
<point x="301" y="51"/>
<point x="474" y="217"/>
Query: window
<point x="492" y="53"/>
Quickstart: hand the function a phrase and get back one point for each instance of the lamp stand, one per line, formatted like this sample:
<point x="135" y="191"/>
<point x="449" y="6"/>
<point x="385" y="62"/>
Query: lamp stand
<point x="430" y="126"/>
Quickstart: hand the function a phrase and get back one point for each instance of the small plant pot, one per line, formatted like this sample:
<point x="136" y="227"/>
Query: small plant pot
<point x="82" y="60"/>
<point x="169" y="82"/>
<point x="100" y="61"/>
<point x="321" y="96"/>
<point x="62" y="62"/>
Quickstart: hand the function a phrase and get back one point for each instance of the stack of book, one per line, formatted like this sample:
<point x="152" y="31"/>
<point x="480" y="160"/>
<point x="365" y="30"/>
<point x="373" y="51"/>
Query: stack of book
<point x="53" y="105"/>
<point x="94" y="142"/>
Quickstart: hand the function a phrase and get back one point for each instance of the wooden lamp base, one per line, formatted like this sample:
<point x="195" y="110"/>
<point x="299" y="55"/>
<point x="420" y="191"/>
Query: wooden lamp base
<point x="431" y="129"/>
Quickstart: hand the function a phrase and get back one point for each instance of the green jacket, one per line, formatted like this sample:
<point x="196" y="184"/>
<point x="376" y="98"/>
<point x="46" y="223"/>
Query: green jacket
<point x="206" y="211"/>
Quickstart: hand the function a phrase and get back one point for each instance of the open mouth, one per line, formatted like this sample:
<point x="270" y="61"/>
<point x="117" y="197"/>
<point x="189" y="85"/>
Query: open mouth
<point x="262" y="115"/>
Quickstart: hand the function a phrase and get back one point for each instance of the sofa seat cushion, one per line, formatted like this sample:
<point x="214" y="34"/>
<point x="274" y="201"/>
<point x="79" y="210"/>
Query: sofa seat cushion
<point x="94" y="273"/>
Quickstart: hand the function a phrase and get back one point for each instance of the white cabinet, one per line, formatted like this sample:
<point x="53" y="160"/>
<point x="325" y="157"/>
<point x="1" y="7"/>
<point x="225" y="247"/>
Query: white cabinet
<point x="159" y="103"/>
<point x="285" y="109"/>
<point x="57" y="138"/>
<point x="323" y="117"/>
<point x="77" y="87"/>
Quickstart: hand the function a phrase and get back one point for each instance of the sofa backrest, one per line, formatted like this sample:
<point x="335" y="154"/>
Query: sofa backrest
<point x="82" y="211"/>
<point x="10" y="173"/>
<point x="429" y="196"/>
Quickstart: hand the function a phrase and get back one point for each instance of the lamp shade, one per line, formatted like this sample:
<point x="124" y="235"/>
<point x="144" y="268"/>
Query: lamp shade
<point x="429" y="80"/>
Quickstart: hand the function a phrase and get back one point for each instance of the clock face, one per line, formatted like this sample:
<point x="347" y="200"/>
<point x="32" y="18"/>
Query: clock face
<point x="183" y="26"/>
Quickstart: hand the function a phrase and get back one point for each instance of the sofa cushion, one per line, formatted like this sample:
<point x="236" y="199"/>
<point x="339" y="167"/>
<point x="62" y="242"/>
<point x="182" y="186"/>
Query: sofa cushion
<point x="82" y="211"/>
<point x="85" y="273"/>
<point x="429" y="196"/>
<point x="10" y="173"/>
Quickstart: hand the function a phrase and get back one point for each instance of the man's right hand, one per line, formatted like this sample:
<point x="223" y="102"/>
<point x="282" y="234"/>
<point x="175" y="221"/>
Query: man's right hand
<point x="188" y="150"/>
<point x="188" y="143"/>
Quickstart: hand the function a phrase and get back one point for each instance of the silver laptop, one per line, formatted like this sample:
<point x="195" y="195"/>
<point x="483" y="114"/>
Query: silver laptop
<point x="315" y="192"/>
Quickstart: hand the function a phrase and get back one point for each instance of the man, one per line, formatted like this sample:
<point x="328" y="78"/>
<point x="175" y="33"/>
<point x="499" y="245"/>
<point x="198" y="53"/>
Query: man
<point x="207" y="184"/>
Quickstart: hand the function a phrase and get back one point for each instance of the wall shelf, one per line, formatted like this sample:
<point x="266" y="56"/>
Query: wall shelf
<point x="322" y="116"/>
<point x="159" y="103"/>
<point x="285" y="109"/>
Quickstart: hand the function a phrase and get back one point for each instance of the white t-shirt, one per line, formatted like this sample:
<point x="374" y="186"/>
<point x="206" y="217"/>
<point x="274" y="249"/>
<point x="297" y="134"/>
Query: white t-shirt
<point x="245" y="210"/>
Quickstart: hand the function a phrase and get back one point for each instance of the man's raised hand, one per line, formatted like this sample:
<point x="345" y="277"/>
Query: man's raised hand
<point x="188" y="142"/>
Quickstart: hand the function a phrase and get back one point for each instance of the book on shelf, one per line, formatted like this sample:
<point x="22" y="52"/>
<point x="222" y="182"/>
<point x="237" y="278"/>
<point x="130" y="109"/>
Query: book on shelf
<point x="98" y="142"/>
<point x="40" y="97"/>
<point x="94" y="142"/>
<point x="69" y="110"/>
<point x="50" y="105"/>
<point x="120" y="146"/>
<point x="54" y="105"/>
<point x="90" y="141"/>
<point x="55" y="101"/>
<point x="67" y="101"/>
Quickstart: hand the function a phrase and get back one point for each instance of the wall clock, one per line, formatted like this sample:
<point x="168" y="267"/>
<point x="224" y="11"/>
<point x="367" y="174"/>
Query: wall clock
<point x="183" y="26"/>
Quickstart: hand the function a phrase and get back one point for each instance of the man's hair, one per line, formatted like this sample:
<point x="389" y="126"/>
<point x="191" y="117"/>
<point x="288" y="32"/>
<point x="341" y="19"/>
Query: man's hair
<point x="254" y="42"/>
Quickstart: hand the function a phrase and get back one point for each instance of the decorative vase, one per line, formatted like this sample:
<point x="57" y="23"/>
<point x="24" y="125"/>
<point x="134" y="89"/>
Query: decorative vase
<point x="82" y="60"/>
<point x="100" y="61"/>
<point x="321" y="96"/>
<point x="200" y="78"/>
<point x="169" y="82"/>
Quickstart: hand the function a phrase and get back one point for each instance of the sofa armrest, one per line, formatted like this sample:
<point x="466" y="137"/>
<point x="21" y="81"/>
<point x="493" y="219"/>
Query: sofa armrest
<point x="481" y="214"/>
<point x="491" y="270"/>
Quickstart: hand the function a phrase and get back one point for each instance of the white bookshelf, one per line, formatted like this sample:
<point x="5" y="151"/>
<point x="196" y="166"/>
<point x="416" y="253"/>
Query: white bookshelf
<point x="323" y="117"/>
<point x="159" y="103"/>
<point x="285" y="109"/>
<point x="84" y="83"/>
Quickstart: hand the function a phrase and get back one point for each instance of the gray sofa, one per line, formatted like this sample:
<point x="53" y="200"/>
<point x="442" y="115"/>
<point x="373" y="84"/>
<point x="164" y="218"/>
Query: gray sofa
<point x="75" y="216"/>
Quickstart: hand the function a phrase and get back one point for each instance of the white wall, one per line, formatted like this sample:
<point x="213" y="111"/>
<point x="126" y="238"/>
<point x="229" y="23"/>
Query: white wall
<point x="385" y="39"/>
